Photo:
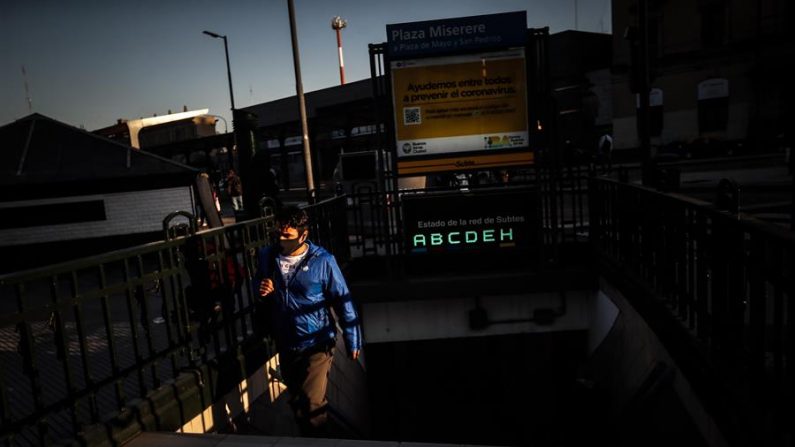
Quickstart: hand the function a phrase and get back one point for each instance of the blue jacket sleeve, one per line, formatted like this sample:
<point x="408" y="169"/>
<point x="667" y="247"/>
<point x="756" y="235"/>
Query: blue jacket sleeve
<point x="340" y="297"/>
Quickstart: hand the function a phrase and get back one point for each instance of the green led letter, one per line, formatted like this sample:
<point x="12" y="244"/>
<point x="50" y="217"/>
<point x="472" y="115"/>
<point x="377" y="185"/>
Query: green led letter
<point x="436" y="239"/>
<point x="419" y="240"/>
<point x="450" y="239"/>
<point x="488" y="235"/>
<point x="506" y="235"/>
<point x="470" y="237"/>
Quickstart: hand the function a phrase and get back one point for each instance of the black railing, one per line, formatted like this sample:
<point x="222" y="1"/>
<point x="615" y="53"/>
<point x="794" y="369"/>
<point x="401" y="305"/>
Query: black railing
<point x="81" y="341"/>
<point x="329" y="226"/>
<point x="729" y="279"/>
<point x="369" y="218"/>
<point x="564" y="202"/>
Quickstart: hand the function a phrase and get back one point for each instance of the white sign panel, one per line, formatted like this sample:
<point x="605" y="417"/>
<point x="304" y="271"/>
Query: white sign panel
<point x="713" y="88"/>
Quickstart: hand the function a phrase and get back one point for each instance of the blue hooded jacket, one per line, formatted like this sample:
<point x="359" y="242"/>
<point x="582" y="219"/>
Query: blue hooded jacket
<point x="300" y="308"/>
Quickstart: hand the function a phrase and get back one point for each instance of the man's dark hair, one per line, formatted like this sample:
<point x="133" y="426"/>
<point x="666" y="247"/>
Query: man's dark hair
<point x="294" y="217"/>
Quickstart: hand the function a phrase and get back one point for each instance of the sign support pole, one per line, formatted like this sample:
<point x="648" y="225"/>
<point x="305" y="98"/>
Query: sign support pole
<point x="299" y="89"/>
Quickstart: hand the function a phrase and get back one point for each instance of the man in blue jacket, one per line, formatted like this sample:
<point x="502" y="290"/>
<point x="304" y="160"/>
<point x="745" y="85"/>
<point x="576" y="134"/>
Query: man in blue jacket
<point x="301" y="282"/>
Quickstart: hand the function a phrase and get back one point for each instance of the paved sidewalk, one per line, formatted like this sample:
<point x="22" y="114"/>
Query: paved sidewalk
<point x="179" y="440"/>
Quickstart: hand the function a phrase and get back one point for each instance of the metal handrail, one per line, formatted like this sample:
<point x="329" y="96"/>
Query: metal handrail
<point x="728" y="279"/>
<point x="79" y="341"/>
<point x="82" y="339"/>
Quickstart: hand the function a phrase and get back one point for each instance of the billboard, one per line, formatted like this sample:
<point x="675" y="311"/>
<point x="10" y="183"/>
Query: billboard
<point x="459" y="93"/>
<point x="475" y="102"/>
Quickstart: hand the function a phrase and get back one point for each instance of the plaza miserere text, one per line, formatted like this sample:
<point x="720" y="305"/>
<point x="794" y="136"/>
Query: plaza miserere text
<point x="438" y="31"/>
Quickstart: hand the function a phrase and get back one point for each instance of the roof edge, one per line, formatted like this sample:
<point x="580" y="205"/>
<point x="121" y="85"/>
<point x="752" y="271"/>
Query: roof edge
<point x="38" y="116"/>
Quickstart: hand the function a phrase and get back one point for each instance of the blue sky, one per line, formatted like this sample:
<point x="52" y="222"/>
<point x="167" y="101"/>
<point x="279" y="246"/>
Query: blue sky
<point x="91" y="62"/>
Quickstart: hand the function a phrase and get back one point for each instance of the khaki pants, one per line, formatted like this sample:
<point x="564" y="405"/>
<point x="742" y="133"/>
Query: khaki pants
<point x="306" y="376"/>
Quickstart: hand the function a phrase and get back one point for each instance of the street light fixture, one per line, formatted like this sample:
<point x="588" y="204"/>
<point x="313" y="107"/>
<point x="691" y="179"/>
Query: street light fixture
<point x="228" y="70"/>
<point x="231" y="94"/>
<point x="226" y="127"/>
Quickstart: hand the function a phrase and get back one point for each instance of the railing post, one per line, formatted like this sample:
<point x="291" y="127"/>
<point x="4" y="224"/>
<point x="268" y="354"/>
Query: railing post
<point x="718" y="287"/>
<point x="703" y="277"/>
<point x="681" y="243"/>
<point x="595" y="204"/>
<point x="169" y="232"/>
<point x="62" y="348"/>
<point x="689" y="265"/>
<point x="130" y="295"/>
<point x="757" y="314"/>
<point x="27" y="349"/>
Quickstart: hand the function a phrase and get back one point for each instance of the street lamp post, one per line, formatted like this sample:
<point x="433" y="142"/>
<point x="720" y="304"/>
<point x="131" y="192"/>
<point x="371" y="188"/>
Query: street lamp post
<point x="228" y="70"/>
<point x="648" y="153"/>
<point x="230" y="153"/>
<point x="299" y="92"/>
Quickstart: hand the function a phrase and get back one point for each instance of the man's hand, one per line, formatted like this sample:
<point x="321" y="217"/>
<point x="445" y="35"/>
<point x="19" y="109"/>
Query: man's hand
<point x="355" y="354"/>
<point x="266" y="287"/>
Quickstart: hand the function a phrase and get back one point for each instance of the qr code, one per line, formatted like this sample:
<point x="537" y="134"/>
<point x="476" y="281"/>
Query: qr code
<point x="411" y="115"/>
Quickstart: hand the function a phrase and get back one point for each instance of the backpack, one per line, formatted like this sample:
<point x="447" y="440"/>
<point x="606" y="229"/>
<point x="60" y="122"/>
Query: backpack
<point x="235" y="187"/>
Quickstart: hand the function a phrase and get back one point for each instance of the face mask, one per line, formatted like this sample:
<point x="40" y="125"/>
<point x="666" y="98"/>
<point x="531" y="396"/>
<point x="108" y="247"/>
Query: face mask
<point x="290" y="245"/>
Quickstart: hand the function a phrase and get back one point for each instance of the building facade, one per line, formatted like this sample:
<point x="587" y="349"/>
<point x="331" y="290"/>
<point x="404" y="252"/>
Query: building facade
<point x="347" y="118"/>
<point x="66" y="193"/>
<point x="719" y="73"/>
<point x="159" y="130"/>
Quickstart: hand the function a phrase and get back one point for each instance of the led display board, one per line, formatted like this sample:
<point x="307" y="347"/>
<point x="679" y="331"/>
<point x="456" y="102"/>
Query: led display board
<point x="491" y="220"/>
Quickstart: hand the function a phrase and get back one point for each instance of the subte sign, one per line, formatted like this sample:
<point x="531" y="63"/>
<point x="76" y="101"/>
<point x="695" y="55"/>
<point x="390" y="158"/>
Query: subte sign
<point x="492" y="220"/>
<point x="461" y="34"/>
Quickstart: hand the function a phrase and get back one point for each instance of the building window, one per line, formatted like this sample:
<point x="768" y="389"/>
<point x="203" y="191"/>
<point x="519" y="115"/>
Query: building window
<point x="713" y="25"/>
<point x="655" y="39"/>
<point x="713" y="105"/>
<point x="656" y="111"/>
<point x="53" y="214"/>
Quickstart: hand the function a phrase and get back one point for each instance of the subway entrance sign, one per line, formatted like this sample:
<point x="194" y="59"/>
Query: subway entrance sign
<point x="490" y="220"/>
<point x="461" y="34"/>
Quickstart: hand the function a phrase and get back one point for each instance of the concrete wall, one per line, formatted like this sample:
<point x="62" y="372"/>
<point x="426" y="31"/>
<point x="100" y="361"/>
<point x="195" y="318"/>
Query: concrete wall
<point x="126" y="213"/>
<point x="347" y="394"/>
<point x="386" y="322"/>
<point x="649" y="397"/>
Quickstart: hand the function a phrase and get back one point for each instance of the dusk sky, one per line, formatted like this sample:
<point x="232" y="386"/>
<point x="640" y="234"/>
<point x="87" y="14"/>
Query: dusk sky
<point x="89" y="63"/>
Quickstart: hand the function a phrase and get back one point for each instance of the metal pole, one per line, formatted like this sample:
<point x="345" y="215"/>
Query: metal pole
<point x="229" y="75"/>
<point x="643" y="92"/>
<point x="299" y="90"/>
<point x="231" y="150"/>
<point x="337" y="24"/>
<point x="342" y="64"/>
<point x="230" y="153"/>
